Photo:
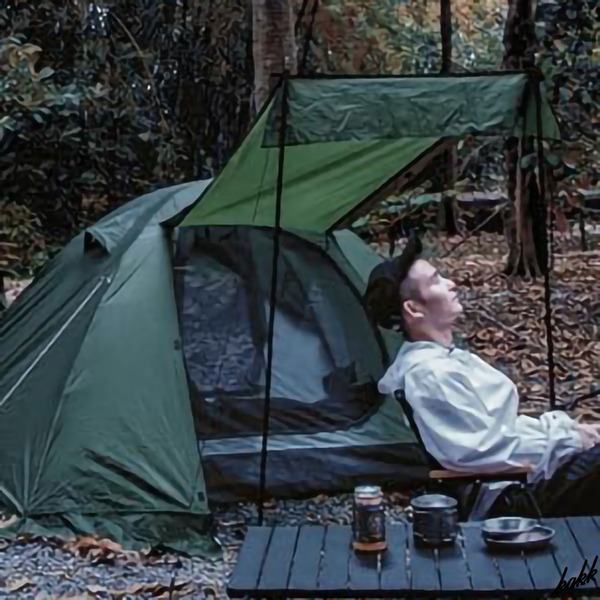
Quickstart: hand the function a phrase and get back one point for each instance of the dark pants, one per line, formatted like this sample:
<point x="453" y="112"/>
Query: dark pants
<point x="573" y="490"/>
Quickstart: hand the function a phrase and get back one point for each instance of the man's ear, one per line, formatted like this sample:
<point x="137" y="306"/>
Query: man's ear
<point x="413" y="310"/>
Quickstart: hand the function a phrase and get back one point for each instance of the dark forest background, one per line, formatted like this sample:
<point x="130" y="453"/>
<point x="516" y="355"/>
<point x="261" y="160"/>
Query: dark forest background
<point x="103" y="101"/>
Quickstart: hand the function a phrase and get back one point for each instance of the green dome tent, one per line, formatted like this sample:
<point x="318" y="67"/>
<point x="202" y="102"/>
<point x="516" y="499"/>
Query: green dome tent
<point x="146" y="364"/>
<point x="95" y="432"/>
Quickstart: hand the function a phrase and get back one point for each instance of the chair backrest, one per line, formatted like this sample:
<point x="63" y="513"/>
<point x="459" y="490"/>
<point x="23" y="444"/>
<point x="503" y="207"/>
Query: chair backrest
<point x="408" y="411"/>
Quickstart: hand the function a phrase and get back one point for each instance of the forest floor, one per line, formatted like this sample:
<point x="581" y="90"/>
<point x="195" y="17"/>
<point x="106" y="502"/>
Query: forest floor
<point x="503" y="323"/>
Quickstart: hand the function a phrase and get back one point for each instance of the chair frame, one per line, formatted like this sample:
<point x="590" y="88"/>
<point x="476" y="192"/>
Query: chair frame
<point x="441" y="475"/>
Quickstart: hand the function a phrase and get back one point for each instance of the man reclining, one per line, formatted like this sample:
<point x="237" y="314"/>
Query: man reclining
<point x="466" y="410"/>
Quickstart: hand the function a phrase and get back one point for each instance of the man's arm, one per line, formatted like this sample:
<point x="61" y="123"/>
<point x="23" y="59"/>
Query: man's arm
<point x="589" y="432"/>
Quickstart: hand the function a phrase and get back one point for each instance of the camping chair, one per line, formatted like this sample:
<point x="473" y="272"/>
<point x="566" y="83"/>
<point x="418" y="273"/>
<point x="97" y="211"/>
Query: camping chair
<point x="444" y="477"/>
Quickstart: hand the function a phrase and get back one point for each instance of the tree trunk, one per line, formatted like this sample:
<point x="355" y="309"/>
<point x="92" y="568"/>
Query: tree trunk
<point x="526" y="251"/>
<point x="274" y="44"/>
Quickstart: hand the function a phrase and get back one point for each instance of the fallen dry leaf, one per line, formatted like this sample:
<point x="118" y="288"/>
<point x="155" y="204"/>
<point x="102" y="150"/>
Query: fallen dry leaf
<point x="96" y="589"/>
<point x="104" y="549"/>
<point x="179" y="593"/>
<point x="45" y="596"/>
<point x="157" y="588"/>
<point x="19" y="584"/>
<point x="8" y="520"/>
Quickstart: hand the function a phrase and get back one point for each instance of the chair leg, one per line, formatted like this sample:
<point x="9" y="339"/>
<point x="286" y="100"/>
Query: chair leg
<point x="472" y="498"/>
<point x="532" y="500"/>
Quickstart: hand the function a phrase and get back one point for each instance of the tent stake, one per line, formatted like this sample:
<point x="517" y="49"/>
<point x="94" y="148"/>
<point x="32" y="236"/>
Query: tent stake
<point x="267" y="404"/>
<point x="544" y="217"/>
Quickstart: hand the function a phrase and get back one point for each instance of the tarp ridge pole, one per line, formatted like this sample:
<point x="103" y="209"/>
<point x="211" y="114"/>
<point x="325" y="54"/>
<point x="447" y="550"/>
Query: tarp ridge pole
<point x="446" y="35"/>
<point x="273" y="300"/>
<point x="537" y="79"/>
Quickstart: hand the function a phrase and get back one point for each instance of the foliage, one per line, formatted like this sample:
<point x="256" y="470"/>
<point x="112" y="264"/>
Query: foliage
<point x="569" y="56"/>
<point x="101" y="102"/>
<point x="393" y="37"/>
<point x="402" y="36"/>
<point x="22" y="242"/>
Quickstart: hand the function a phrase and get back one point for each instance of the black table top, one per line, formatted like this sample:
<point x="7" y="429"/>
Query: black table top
<point x="313" y="561"/>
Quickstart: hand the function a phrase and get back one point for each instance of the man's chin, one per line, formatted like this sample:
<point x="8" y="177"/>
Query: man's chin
<point x="459" y="311"/>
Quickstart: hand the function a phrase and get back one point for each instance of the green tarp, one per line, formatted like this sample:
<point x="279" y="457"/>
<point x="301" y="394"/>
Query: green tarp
<point x="339" y="110"/>
<point x="322" y="182"/>
<point x="346" y="138"/>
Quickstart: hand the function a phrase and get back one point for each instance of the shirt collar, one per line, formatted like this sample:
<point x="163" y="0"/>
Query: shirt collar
<point x="429" y="343"/>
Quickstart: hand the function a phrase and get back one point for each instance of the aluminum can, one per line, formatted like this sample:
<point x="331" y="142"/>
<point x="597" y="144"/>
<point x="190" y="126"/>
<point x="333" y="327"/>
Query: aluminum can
<point x="369" y="519"/>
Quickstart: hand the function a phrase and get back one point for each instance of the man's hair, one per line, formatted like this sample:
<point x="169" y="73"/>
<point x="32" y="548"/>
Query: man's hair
<point x="385" y="290"/>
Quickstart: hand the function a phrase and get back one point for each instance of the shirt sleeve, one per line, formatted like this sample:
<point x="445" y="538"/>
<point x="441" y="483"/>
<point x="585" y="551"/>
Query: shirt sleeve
<point x="556" y="434"/>
<point x="462" y="435"/>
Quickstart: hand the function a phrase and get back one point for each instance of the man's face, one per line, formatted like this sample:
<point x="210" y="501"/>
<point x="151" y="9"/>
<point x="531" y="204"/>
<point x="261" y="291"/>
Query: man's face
<point x="436" y="296"/>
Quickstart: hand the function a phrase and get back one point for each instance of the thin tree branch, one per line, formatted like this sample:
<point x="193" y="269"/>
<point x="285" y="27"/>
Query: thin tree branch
<point x="484" y="222"/>
<point x="164" y="122"/>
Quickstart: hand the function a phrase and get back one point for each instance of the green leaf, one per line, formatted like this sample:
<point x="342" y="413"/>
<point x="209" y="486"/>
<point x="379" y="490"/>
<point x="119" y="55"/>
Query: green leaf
<point x="585" y="97"/>
<point x="528" y="161"/>
<point x="71" y="131"/>
<point x="360" y="222"/>
<point x="565" y="94"/>
<point x="425" y="199"/>
<point x="44" y="73"/>
<point x="561" y="46"/>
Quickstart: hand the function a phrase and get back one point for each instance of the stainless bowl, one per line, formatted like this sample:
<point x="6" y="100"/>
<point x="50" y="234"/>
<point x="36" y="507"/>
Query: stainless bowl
<point x="536" y="538"/>
<point x="506" y="527"/>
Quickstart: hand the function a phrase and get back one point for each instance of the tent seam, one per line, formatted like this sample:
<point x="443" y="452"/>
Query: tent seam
<point x="112" y="266"/>
<point x="51" y="429"/>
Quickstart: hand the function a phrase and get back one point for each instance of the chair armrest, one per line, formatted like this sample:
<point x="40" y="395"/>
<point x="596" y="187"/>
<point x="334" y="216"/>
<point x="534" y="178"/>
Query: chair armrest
<point x="519" y="473"/>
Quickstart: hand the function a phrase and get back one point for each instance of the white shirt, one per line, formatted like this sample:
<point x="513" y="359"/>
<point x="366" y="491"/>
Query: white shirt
<point x="466" y="412"/>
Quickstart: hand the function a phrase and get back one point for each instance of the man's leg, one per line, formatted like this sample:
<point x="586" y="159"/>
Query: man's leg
<point x="573" y="490"/>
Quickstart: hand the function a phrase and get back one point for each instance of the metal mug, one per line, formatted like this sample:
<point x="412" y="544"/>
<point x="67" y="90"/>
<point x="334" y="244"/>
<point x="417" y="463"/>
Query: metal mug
<point x="434" y="519"/>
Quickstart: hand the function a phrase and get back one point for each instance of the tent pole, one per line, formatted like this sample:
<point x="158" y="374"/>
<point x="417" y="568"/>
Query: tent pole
<point x="446" y="34"/>
<point x="273" y="300"/>
<point x="544" y="216"/>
